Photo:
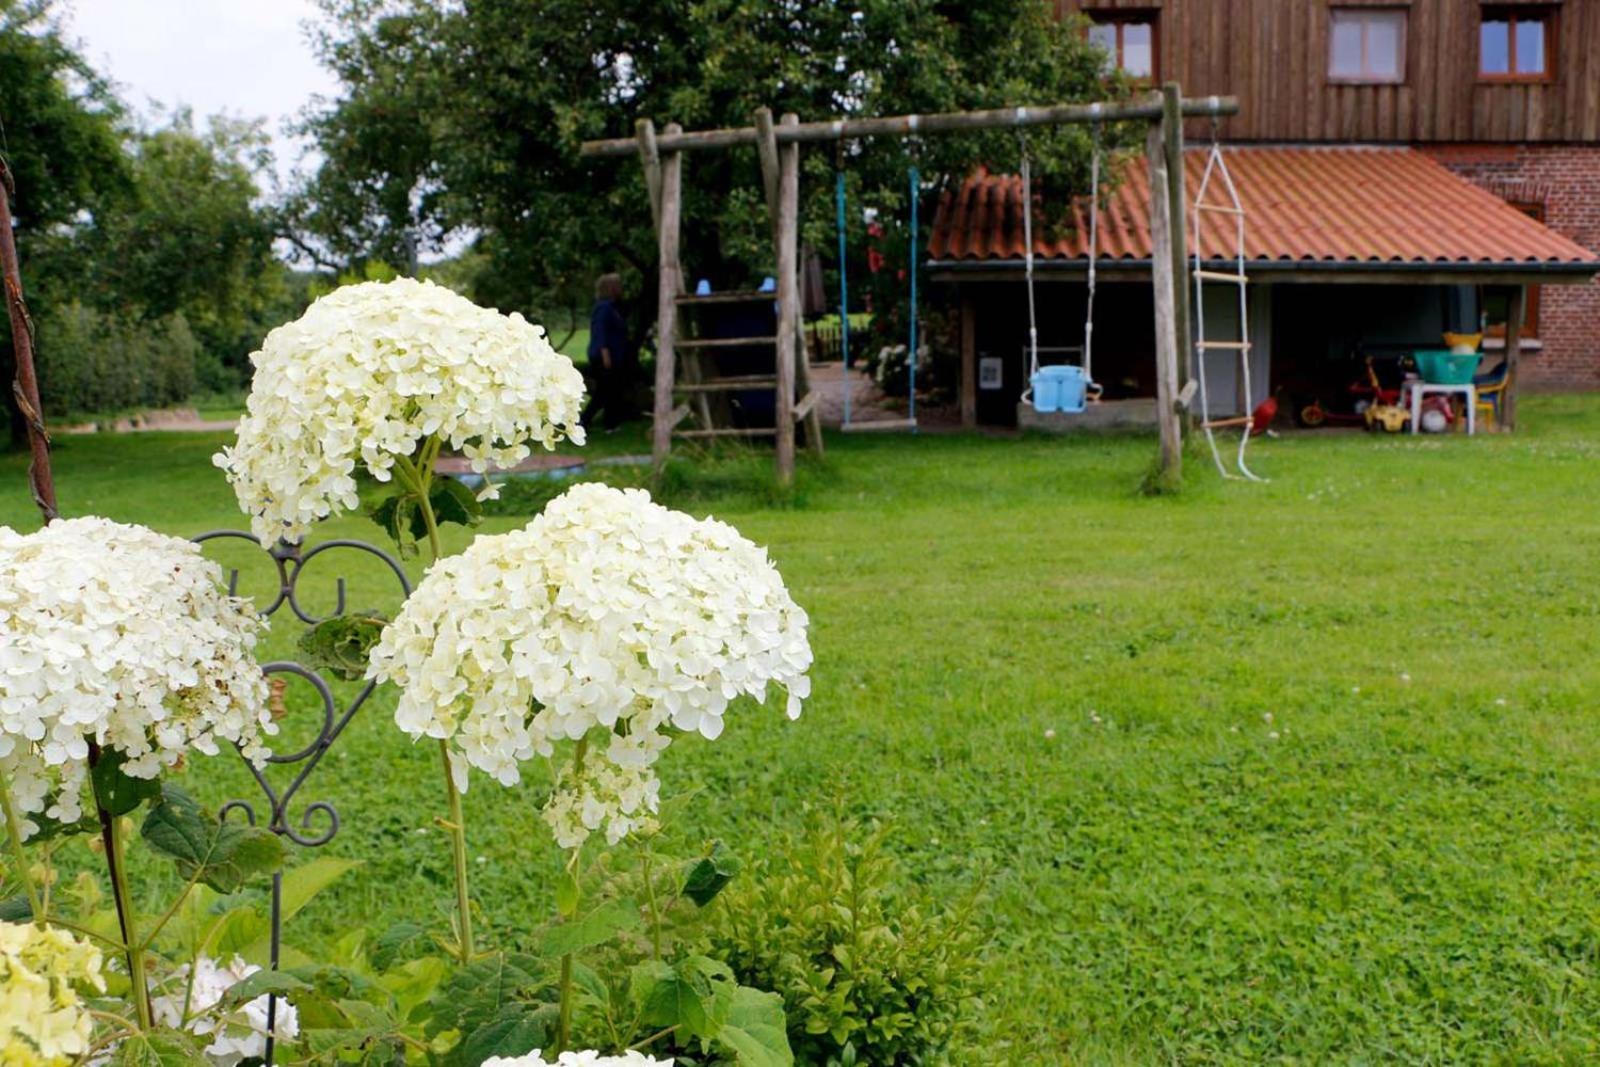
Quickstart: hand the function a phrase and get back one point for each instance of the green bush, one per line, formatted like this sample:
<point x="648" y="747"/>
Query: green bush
<point x="870" y="972"/>
<point x="94" y="361"/>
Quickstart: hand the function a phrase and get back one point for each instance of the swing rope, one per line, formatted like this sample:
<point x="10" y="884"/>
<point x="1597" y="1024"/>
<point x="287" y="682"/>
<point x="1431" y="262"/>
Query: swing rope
<point x="1091" y="388"/>
<point x="841" y="222"/>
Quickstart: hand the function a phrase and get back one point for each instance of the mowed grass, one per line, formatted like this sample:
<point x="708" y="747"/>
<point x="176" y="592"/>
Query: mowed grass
<point x="1303" y="772"/>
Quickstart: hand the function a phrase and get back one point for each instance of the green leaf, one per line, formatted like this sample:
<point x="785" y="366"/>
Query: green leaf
<point x="49" y="828"/>
<point x="158" y="1048"/>
<point x="340" y="645"/>
<point x="516" y="1031"/>
<point x="710" y="875"/>
<point x="222" y="855"/>
<point x="15" y="910"/>
<point x="117" y="792"/>
<point x="398" y="515"/>
<point x="694" y="994"/>
<point x="402" y="941"/>
<point x="453" y="502"/>
<point x="477" y="993"/>
<point x="755" y="1030"/>
<point x="595" y="928"/>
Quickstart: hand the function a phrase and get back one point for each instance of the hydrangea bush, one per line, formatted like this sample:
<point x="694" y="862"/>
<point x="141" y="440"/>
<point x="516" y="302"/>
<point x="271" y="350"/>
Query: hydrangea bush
<point x="577" y="1059"/>
<point x="44" y="1021"/>
<point x="198" y="1004"/>
<point x="120" y="637"/>
<point x="368" y="377"/>
<point x="608" y="614"/>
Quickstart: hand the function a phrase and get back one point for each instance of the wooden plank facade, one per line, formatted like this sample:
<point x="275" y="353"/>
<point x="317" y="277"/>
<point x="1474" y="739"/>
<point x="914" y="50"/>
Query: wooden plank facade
<point x="1274" y="56"/>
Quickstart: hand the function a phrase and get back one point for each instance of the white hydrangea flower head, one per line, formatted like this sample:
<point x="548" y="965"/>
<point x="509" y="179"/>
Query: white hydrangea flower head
<point x="125" y="637"/>
<point x="372" y="370"/>
<point x="586" y="1058"/>
<point x="607" y="610"/>
<point x="43" y="1019"/>
<point x="236" y="1035"/>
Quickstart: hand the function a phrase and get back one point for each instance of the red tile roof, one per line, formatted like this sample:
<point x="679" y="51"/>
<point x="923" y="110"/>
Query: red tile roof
<point x="1336" y="204"/>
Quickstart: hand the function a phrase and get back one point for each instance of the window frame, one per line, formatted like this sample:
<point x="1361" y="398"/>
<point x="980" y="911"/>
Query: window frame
<point x="1534" y="209"/>
<point x="1512" y="15"/>
<point x="1399" y="78"/>
<point x="1120" y="19"/>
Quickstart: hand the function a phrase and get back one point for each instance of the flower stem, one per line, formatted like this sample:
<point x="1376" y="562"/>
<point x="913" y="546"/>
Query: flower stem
<point x="14" y="835"/>
<point x="458" y="848"/>
<point x="111" y="833"/>
<point x="570" y="912"/>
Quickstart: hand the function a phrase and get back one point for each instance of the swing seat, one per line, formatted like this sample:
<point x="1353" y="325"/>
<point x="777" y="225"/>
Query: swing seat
<point x="1060" y="388"/>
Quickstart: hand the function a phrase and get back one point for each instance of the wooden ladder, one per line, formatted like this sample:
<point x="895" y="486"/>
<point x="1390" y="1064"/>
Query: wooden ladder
<point x="704" y="394"/>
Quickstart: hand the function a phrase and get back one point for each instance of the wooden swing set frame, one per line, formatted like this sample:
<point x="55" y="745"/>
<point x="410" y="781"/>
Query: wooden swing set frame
<point x="779" y="146"/>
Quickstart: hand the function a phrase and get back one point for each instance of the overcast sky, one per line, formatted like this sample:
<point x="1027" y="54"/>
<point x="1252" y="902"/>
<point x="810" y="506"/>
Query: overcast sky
<point x="244" y="58"/>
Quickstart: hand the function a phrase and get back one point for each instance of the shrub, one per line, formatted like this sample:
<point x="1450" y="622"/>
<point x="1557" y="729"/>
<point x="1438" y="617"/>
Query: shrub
<point x="91" y="360"/>
<point x="869" y="973"/>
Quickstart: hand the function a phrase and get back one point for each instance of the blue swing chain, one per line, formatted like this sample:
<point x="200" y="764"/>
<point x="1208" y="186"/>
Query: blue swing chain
<point x="916" y="189"/>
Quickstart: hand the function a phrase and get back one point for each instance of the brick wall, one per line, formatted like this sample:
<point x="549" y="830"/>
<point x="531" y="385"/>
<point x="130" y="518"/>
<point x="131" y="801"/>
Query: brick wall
<point x="1566" y="180"/>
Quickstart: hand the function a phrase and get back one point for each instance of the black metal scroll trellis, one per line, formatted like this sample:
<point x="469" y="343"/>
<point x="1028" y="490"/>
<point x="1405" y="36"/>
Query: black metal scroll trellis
<point x="291" y="561"/>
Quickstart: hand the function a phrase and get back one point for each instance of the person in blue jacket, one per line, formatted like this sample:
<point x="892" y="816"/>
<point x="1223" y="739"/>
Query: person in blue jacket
<point x="611" y="356"/>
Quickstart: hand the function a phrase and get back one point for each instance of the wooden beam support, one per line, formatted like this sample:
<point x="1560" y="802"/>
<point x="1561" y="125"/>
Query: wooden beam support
<point x="767" y="148"/>
<point x="667" y="300"/>
<point x="788" y="298"/>
<point x="1514" y="316"/>
<point x="1178" y="213"/>
<point x="1146" y="106"/>
<point x="650" y="162"/>
<point x="969" y="361"/>
<point x="1161" y="226"/>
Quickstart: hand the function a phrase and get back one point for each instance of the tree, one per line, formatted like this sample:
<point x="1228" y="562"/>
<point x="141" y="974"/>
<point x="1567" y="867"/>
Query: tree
<point x="477" y="110"/>
<point x="60" y="130"/>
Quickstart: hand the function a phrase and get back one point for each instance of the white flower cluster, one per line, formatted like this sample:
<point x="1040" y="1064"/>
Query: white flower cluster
<point x="122" y="636"/>
<point x="43" y="1020"/>
<point x="586" y="1058"/>
<point x="606" y="611"/>
<point x="372" y="370"/>
<point x="236" y="1035"/>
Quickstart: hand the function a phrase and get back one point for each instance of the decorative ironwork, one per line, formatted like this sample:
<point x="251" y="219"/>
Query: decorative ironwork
<point x="318" y="821"/>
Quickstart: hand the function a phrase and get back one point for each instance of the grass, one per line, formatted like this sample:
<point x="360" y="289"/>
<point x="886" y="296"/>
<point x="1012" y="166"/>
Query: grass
<point x="1026" y="665"/>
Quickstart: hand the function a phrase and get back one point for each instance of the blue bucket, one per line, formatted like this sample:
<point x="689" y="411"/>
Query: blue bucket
<point x="1059" y="388"/>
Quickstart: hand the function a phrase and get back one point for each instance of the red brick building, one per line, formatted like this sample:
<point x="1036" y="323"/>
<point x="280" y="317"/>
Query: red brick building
<point x="1506" y="94"/>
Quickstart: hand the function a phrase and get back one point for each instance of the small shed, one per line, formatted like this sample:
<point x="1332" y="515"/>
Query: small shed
<point x="1350" y="250"/>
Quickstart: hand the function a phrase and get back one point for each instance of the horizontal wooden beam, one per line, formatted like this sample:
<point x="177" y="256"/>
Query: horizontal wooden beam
<point x="1146" y="106"/>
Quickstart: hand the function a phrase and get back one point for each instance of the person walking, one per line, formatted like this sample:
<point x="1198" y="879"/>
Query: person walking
<point x="610" y="356"/>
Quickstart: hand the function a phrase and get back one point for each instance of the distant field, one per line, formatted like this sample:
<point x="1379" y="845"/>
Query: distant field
<point x="1292" y="773"/>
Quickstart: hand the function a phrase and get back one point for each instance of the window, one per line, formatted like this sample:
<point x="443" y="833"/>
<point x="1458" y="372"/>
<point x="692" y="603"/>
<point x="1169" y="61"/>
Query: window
<point x="1497" y="301"/>
<point x="1366" y="45"/>
<point x="1516" y="43"/>
<point x="1129" y="39"/>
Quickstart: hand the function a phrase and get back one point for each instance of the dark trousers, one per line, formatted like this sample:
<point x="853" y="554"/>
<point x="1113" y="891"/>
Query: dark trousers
<point x="608" y="396"/>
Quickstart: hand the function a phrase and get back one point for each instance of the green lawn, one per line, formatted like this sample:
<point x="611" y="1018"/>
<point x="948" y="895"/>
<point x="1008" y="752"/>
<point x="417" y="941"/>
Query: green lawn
<point x="1304" y="772"/>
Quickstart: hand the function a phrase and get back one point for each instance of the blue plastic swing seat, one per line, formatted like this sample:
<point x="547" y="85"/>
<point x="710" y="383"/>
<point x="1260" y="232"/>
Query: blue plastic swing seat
<point x="1059" y="388"/>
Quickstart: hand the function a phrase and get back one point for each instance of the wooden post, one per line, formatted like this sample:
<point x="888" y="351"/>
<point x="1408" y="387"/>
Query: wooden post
<point x="1178" y="215"/>
<point x="26" y="386"/>
<point x="771" y="170"/>
<point x="788" y="298"/>
<point x="969" y="361"/>
<point x="650" y="161"/>
<point x="667" y="300"/>
<point x="1514" y="314"/>
<point x="1161" y="277"/>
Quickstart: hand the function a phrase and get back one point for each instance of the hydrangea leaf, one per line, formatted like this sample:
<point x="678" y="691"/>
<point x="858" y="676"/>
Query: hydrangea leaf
<point x="477" y="993"/>
<point x="710" y="874"/>
<point x="695" y="994"/>
<point x="453" y="502"/>
<point x="596" y="928"/>
<point x="15" y="910"/>
<point x="755" y="1030"/>
<point x="158" y="1048"/>
<point x="401" y="942"/>
<point x="221" y="855"/>
<point x="516" y="1031"/>
<point x="340" y="645"/>
<point x="116" y="791"/>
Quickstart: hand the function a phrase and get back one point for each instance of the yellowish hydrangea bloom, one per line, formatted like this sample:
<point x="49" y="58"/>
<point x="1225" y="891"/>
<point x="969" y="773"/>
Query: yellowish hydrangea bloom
<point x="43" y="1020"/>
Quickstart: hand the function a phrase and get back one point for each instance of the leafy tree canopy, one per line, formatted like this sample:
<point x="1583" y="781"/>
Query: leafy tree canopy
<point x="466" y="118"/>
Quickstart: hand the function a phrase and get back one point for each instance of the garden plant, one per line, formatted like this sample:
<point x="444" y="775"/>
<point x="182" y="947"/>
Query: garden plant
<point x="585" y="644"/>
